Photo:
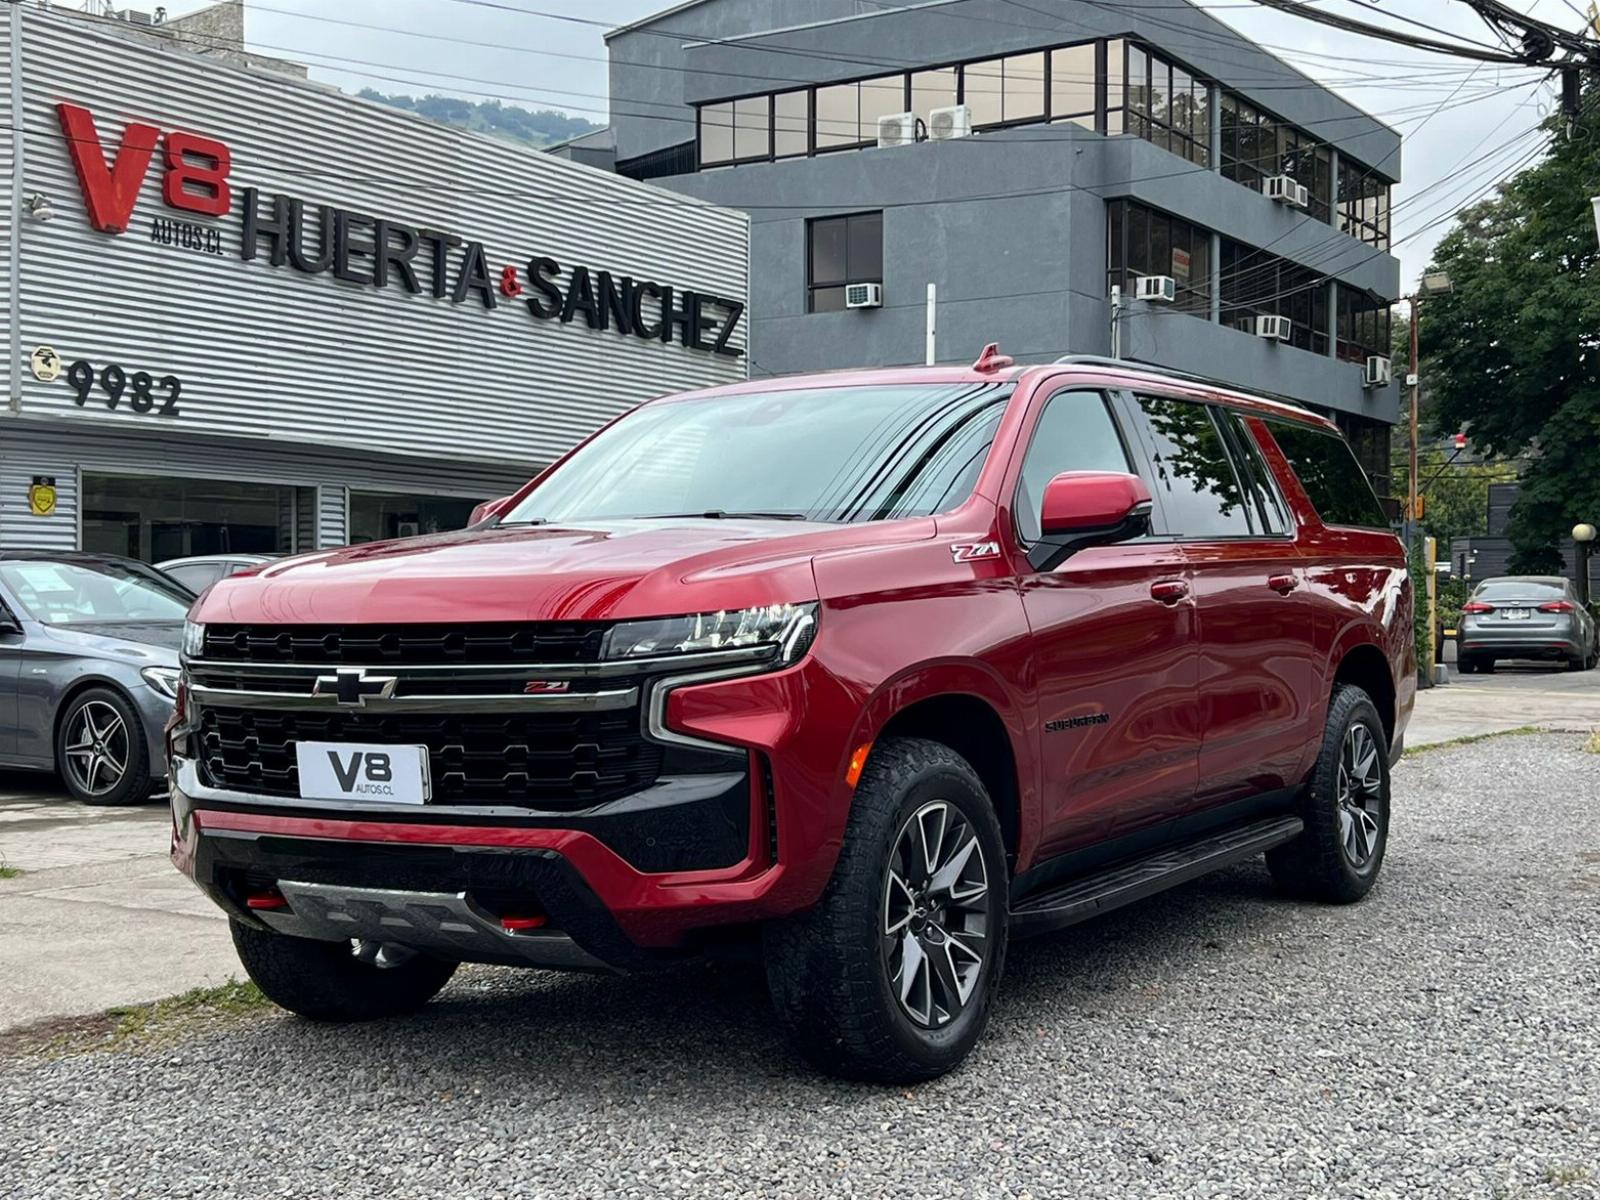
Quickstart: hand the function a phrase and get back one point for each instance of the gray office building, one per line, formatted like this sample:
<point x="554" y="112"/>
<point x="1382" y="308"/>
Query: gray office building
<point x="1054" y="150"/>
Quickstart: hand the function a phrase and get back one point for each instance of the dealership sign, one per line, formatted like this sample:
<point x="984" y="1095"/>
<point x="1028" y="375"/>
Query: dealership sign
<point x="283" y="231"/>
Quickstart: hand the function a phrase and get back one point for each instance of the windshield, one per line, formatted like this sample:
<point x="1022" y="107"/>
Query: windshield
<point x="1520" y="589"/>
<point x="820" y="454"/>
<point x="81" y="593"/>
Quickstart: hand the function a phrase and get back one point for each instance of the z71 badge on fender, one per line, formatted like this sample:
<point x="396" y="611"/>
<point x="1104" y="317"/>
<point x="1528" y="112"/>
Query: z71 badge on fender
<point x="972" y="551"/>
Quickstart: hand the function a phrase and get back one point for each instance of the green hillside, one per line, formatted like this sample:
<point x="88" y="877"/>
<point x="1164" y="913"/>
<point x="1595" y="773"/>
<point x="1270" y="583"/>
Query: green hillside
<point x="543" y="127"/>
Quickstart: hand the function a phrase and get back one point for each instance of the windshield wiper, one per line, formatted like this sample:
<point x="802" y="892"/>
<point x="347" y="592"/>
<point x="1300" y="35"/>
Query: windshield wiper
<point x="720" y="514"/>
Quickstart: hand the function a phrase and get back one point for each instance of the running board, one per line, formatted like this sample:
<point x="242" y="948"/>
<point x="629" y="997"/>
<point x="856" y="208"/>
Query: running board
<point x="1080" y="899"/>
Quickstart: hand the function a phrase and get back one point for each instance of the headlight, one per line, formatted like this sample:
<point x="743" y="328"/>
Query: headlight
<point x="163" y="679"/>
<point x="194" y="639"/>
<point x="789" y="627"/>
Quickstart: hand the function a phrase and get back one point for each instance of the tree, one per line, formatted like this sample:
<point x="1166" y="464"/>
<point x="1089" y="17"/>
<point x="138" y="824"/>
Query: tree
<point x="1455" y="495"/>
<point x="1512" y="353"/>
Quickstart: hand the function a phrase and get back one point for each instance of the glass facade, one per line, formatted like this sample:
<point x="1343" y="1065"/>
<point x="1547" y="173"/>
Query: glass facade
<point x="1363" y="204"/>
<point x="378" y="516"/>
<point x="1257" y="146"/>
<point x="1146" y="241"/>
<point x="156" y="519"/>
<point x="1167" y="105"/>
<point x="1255" y="283"/>
<point x="1365" y="325"/>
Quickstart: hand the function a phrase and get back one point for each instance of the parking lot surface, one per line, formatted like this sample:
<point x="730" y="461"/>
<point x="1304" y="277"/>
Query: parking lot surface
<point x="1441" y="1039"/>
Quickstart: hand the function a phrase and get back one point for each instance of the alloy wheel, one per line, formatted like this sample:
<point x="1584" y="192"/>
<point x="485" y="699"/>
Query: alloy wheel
<point x="1360" y="795"/>
<point x="936" y="915"/>
<point x="97" y="748"/>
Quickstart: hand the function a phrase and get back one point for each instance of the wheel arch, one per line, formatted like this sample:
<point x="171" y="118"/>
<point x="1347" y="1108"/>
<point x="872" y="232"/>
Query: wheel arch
<point x="970" y="710"/>
<point x="1365" y="666"/>
<point x="80" y="685"/>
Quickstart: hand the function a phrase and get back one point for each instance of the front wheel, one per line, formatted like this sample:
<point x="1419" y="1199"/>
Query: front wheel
<point x="338" y="981"/>
<point x="1346" y="808"/>
<point x="890" y="978"/>
<point x="101" y="750"/>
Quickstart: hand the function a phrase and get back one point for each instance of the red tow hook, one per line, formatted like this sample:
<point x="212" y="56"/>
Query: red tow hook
<point x="267" y="899"/>
<point x="523" y="924"/>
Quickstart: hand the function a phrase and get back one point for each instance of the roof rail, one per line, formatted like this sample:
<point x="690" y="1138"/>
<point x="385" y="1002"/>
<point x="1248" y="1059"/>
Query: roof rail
<point x="1100" y="360"/>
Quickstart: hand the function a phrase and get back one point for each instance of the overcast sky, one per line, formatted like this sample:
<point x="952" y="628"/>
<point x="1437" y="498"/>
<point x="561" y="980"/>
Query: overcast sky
<point x="1464" y="126"/>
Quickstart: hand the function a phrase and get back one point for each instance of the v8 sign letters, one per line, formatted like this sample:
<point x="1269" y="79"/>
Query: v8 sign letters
<point x="372" y="251"/>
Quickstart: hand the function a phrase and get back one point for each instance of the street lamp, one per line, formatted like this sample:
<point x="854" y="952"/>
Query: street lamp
<point x="1584" y="534"/>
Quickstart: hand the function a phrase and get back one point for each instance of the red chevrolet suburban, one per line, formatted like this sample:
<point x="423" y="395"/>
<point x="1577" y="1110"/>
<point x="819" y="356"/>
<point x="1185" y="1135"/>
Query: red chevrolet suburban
<point x="863" y="672"/>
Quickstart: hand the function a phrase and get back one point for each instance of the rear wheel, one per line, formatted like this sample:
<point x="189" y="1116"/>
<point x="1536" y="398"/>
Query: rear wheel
<point x="338" y="981"/>
<point x="1346" y="808"/>
<point x="891" y="976"/>
<point x="101" y="751"/>
<point x="1466" y="664"/>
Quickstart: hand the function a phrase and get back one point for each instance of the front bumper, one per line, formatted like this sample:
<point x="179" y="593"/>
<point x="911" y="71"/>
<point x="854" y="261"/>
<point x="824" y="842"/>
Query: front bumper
<point x="669" y="869"/>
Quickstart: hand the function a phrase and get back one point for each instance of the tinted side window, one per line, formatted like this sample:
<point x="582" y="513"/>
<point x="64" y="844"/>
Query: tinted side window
<point x="199" y="576"/>
<point x="1270" y="510"/>
<point x="1075" y="433"/>
<point x="1195" y="482"/>
<point x="1330" y="474"/>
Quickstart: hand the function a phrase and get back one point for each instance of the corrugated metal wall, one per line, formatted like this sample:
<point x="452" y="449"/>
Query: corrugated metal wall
<point x="10" y="199"/>
<point x="323" y="476"/>
<point x="271" y="352"/>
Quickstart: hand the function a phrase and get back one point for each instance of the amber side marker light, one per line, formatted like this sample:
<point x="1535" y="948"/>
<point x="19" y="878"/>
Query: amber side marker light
<point x="858" y="763"/>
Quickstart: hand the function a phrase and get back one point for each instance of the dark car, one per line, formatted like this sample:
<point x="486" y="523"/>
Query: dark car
<point x="200" y="571"/>
<point x="863" y="673"/>
<point x="88" y="669"/>
<point x="1527" y="617"/>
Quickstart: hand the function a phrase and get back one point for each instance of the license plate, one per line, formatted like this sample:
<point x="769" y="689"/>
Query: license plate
<point x="363" y="773"/>
<point x="1516" y="614"/>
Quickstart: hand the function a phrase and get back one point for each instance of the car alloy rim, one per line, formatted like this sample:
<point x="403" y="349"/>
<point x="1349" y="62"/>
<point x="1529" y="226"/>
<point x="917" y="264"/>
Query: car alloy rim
<point x="935" y="932"/>
<point x="1360" y="795"/>
<point x="97" y="748"/>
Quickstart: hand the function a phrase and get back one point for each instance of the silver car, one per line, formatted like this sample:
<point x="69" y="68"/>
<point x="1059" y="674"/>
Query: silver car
<point x="200" y="571"/>
<point x="1526" y="616"/>
<point x="88" y="670"/>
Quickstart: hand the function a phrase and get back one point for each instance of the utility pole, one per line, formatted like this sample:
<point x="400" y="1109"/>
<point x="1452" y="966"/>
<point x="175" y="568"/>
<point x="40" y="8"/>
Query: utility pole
<point x="1415" y="380"/>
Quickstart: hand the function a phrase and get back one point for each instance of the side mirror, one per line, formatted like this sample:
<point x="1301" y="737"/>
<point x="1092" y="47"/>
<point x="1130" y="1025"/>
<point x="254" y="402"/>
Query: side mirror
<point x="1089" y="508"/>
<point x="489" y="508"/>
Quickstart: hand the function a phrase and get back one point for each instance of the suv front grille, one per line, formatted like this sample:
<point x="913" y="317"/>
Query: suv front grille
<point x="555" y="760"/>
<point x="388" y="646"/>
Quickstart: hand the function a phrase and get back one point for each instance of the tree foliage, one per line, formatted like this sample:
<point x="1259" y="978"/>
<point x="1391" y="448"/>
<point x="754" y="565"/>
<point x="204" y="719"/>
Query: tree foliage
<point x="1512" y="353"/>
<point x="510" y="121"/>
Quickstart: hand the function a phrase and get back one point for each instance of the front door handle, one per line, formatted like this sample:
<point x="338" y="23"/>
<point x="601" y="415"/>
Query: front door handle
<point x="1169" y="591"/>
<point x="1282" y="584"/>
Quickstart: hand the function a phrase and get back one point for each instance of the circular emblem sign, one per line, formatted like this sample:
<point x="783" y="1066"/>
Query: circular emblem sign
<point x="46" y="364"/>
<point x="42" y="496"/>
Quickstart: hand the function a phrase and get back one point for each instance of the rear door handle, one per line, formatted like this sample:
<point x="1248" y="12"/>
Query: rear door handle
<point x="1169" y="591"/>
<point x="1282" y="584"/>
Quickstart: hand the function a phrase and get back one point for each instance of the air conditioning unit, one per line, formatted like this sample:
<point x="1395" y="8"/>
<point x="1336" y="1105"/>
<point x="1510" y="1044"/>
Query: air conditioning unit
<point x="1274" y="328"/>
<point x="899" y="129"/>
<point x="863" y="295"/>
<point x="134" y="16"/>
<point x="952" y="122"/>
<point x="1158" y="289"/>
<point x="1285" y="190"/>
<point x="1378" y="372"/>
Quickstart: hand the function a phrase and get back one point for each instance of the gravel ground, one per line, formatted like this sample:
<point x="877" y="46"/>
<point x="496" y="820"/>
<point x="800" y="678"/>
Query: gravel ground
<point x="1440" y="1040"/>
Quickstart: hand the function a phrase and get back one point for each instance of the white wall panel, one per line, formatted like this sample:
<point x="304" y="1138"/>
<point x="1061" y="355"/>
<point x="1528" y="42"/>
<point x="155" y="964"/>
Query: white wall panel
<point x="270" y="352"/>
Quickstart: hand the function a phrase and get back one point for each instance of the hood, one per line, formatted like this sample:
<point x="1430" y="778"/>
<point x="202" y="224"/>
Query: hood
<point x="143" y="643"/>
<point x="598" y="571"/>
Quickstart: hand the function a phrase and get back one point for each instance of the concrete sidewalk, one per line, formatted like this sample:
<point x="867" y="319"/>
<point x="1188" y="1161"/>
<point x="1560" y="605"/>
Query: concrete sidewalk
<point x="98" y="918"/>
<point x="1512" y="698"/>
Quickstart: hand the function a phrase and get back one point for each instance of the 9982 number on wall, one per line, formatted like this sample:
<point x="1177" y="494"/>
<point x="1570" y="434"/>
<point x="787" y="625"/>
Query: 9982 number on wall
<point x="117" y="384"/>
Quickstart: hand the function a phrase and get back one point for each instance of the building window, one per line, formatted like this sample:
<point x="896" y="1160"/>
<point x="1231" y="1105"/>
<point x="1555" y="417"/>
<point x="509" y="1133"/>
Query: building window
<point x="1145" y="241"/>
<point x="378" y="516"/>
<point x="1063" y="83"/>
<point x="1257" y="146"/>
<point x="1168" y="106"/>
<point x="1256" y="284"/>
<point x="1364" y="325"/>
<point x="1005" y="91"/>
<point x="841" y="251"/>
<point x="1075" y="85"/>
<point x="1363" y="204"/>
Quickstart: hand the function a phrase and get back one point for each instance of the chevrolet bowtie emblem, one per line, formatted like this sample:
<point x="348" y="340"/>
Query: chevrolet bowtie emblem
<point x="354" y="688"/>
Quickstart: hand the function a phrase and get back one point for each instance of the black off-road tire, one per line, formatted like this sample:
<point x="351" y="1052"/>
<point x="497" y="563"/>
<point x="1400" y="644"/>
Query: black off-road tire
<point x="1316" y="865"/>
<point x="135" y="785"/>
<point x="326" y="982"/>
<point x="826" y="969"/>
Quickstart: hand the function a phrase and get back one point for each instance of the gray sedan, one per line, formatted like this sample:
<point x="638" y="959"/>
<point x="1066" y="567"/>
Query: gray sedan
<point x="1526" y="616"/>
<point x="88" y="670"/>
